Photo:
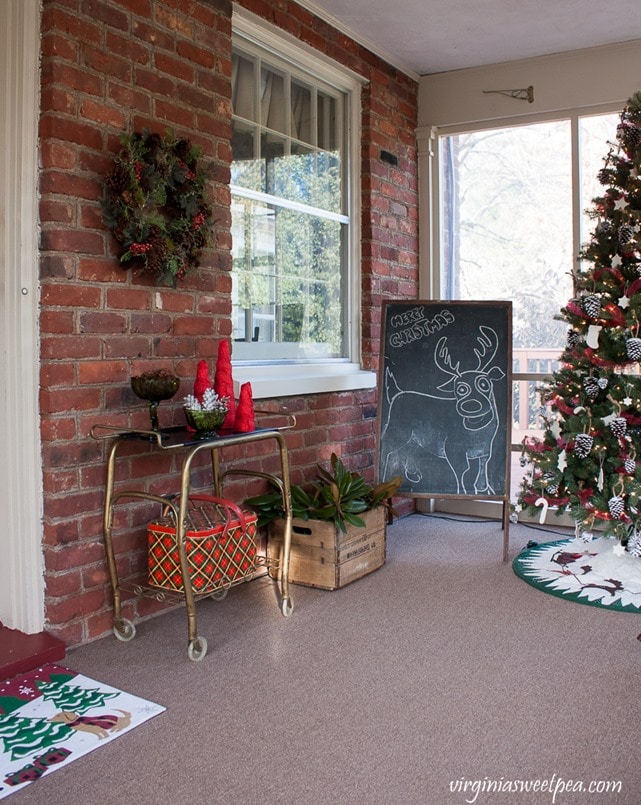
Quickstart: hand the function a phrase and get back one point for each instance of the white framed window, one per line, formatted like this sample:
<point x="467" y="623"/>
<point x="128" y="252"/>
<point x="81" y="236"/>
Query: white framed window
<point x="295" y="204"/>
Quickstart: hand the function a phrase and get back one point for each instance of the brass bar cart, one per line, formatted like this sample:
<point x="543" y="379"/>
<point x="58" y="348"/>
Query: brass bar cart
<point x="182" y="441"/>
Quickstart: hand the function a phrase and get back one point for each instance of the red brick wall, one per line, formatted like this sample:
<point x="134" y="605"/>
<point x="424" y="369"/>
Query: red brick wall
<point x="114" y="65"/>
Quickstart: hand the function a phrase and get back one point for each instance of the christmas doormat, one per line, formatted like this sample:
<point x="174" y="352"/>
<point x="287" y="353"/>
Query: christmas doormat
<point x="596" y="573"/>
<point x="52" y="716"/>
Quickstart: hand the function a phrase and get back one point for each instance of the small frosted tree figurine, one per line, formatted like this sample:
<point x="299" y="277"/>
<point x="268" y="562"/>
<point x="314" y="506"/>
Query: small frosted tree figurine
<point x="588" y="461"/>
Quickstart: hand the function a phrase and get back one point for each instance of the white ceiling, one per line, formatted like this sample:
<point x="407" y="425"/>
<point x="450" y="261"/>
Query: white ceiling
<point x="422" y="37"/>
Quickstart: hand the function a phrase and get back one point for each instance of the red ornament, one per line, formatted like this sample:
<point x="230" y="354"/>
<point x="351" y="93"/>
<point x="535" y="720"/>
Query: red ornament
<point x="202" y="382"/>
<point x="563" y="407"/>
<point x="609" y="270"/>
<point x="245" y="420"/>
<point x="635" y="287"/>
<point x="224" y="382"/>
<point x="573" y="308"/>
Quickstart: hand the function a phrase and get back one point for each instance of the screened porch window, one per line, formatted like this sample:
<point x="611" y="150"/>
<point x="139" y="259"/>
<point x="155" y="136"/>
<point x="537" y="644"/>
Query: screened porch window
<point x="512" y="213"/>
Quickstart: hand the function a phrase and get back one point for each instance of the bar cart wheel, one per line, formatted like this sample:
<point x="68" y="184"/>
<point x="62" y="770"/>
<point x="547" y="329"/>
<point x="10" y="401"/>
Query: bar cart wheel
<point x="218" y="595"/>
<point x="124" y="630"/>
<point x="197" y="649"/>
<point x="287" y="607"/>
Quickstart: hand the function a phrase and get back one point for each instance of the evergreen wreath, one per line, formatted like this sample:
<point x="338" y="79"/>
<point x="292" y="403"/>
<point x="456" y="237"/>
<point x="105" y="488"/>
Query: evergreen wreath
<point x="155" y="205"/>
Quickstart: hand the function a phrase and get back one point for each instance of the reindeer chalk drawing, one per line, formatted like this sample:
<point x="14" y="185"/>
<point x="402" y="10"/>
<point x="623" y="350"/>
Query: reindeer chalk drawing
<point x="422" y="420"/>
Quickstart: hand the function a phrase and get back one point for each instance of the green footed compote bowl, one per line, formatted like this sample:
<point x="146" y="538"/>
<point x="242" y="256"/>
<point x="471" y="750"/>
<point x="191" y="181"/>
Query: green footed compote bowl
<point x="154" y="387"/>
<point x="205" y="423"/>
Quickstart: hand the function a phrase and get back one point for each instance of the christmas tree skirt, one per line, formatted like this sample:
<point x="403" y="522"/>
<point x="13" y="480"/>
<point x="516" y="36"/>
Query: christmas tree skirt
<point x="586" y="572"/>
<point x="52" y="716"/>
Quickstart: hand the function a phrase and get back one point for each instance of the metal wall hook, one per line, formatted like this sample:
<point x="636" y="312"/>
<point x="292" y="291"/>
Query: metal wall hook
<point x="526" y="94"/>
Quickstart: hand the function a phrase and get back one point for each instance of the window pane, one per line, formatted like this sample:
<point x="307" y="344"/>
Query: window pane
<point x="301" y="123"/>
<point x="327" y="122"/>
<point x="245" y="168"/>
<point x="286" y="281"/>
<point x="289" y="232"/>
<point x="307" y="177"/>
<point x="272" y="151"/>
<point x="243" y="87"/>
<point x="595" y="132"/>
<point x="507" y="212"/>
<point x="273" y="101"/>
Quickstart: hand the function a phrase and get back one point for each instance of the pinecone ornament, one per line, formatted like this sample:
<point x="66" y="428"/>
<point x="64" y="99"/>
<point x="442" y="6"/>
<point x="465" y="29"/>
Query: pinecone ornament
<point x="591" y="386"/>
<point x="629" y="465"/>
<point x="583" y="444"/>
<point x="119" y="178"/>
<point x="591" y="305"/>
<point x="625" y="234"/>
<point x="618" y="426"/>
<point x="574" y="338"/>
<point x="616" y="505"/>
<point x="156" y="259"/>
<point x="633" y="348"/>
<point x="634" y="545"/>
<point x="182" y="149"/>
<point x="629" y="134"/>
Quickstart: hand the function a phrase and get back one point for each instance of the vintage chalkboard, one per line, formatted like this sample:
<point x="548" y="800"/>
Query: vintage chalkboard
<point x="445" y="398"/>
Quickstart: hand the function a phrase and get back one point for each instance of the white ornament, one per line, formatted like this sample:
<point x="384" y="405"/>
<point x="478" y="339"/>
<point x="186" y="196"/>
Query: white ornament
<point x="616" y="261"/>
<point x="627" y="401"/>
<point x="544" y="508"/>
<point x="624" y="302"/>
<point x="620" y="203"/>
<point x="578" y="409"/>
<point x="562" y="462"/>
<point x="592" y="338"/>
<point x="618" y="549"/>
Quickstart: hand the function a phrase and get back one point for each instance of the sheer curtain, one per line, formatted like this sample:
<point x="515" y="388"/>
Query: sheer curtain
<point x="242" y="83"/>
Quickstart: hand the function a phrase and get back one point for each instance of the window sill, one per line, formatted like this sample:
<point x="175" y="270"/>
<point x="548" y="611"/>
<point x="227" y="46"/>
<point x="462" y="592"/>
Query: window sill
<point x="278" y="380"/>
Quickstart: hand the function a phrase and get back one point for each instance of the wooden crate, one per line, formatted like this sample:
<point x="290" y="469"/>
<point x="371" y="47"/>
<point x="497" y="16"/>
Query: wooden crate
<point x="322" y="556"/>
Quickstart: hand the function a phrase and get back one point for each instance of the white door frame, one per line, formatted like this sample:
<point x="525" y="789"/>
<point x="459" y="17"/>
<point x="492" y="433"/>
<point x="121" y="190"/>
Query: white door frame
<point x="21" y="566"/>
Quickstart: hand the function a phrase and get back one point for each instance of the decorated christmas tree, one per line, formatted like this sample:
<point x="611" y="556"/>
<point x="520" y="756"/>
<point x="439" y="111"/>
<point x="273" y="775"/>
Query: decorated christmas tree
<point x="588" y="461"/>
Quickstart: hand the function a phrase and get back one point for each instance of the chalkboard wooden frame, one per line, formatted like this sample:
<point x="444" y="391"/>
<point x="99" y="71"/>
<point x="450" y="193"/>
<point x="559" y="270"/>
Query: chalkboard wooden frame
<point x="445" y="399"/>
